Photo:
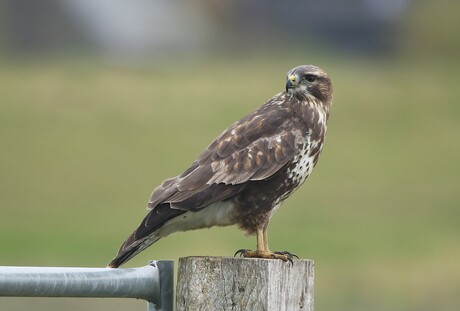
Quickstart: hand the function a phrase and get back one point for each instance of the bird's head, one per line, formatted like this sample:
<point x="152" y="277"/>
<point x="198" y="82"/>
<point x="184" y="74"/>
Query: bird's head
<point x="308" y="81"/>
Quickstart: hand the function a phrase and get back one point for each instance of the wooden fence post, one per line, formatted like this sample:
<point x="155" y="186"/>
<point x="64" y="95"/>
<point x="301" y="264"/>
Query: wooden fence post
<point x="237" y="284"/>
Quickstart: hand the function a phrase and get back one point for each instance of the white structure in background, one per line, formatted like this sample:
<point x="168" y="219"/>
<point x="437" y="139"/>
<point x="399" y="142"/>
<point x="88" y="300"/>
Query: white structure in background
<point x="140" y="27"/>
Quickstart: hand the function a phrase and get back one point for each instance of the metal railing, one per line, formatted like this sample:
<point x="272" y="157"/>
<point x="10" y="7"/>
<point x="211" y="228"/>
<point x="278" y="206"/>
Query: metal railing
<point x="153" y="283"/>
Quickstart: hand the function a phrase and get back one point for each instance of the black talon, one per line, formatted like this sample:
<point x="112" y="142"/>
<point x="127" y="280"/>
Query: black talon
<point x="241" y="252"/>
<point x="289" y="255"/>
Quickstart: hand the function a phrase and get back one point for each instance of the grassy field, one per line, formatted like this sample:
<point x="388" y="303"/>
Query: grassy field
<point x="83" y="144"/>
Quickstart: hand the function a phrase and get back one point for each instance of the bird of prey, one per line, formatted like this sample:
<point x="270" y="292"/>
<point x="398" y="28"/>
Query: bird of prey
<point x="247" y="172"/>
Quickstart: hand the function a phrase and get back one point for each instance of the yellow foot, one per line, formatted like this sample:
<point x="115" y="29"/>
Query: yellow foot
<point x="284" y="256"/>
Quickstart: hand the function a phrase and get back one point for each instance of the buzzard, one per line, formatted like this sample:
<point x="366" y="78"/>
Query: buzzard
<point x="247" y="172"/>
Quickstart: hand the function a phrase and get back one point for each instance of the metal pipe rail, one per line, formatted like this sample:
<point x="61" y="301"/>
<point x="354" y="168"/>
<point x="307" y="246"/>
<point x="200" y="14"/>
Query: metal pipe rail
<point x="153" y="283"/>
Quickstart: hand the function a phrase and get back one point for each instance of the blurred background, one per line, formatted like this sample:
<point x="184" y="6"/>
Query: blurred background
<point x="102" y="100"/>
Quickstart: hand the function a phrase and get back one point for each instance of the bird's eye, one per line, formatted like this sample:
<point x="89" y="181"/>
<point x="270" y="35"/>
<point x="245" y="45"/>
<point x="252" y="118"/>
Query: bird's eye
<point x="310" y="78"/>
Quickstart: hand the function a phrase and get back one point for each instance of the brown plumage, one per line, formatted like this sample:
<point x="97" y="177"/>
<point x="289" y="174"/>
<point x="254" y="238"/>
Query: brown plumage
<point x="245" y="174"/>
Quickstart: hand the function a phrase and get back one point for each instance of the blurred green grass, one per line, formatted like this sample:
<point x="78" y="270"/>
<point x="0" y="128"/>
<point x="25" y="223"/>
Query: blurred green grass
<point x="84" y="143"/>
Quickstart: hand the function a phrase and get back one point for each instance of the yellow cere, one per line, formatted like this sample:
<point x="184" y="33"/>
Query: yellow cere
<point x="292" y="77"/>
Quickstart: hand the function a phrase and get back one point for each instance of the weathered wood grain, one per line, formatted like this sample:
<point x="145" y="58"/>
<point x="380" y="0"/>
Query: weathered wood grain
<point x="240" y="284"/>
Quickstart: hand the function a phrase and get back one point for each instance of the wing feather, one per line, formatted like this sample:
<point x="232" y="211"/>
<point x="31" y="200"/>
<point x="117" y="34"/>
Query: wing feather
<point x="252" y="149"/>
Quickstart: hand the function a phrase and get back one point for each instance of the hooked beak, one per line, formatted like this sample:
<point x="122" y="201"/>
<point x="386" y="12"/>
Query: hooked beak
<point x="291" y="82"/>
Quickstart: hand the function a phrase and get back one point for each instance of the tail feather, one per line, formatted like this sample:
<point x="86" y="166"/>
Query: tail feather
<point x="123" y="257"/>
<point x="126" y="253"/>
<point x="144" y="235"/>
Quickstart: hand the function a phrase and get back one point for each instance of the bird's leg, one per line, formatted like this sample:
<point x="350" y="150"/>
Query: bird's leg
<point x="262" y="248"/>
<point x="265" y="237"/>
